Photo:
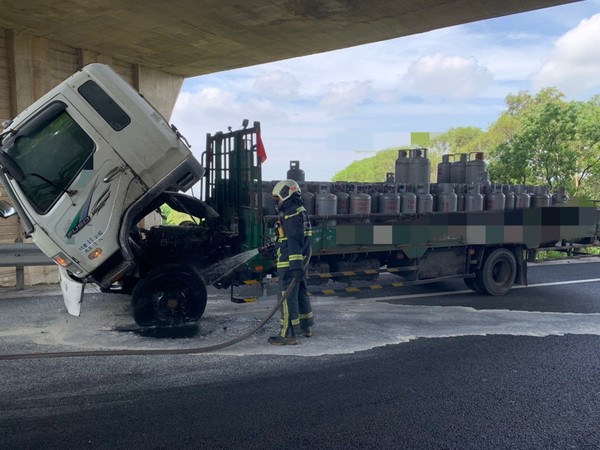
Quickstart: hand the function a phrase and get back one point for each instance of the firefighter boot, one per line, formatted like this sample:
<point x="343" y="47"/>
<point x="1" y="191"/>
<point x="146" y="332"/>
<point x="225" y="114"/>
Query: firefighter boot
<point x="306" y="332"/>
<point x="281" y="340"/>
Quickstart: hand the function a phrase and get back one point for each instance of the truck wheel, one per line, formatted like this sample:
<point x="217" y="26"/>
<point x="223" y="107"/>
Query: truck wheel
<point x="498" y="272"/>
<point x="169" y="295"/>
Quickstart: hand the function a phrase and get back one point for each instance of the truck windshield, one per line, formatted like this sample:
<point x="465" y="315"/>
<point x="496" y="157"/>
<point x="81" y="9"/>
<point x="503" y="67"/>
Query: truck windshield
<point x="55" y="153"/>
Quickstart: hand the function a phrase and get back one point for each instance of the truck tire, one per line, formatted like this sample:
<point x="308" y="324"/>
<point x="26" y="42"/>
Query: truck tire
<point x="169" y="295"/>
<point x="498" y="272"/>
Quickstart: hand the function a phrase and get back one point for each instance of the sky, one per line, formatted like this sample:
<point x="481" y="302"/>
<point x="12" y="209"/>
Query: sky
<point x="329" y="109"/>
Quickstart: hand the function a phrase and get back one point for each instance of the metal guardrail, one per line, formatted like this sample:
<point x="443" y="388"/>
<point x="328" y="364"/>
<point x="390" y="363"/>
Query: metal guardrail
<point x="20" y="255"/>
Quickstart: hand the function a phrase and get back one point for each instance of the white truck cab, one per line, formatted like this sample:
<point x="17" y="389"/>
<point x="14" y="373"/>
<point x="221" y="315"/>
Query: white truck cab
<point x="80" y="166"/>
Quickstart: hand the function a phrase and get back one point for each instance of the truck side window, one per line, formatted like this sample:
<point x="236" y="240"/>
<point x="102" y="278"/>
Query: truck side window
<point x="104" y="105"/>
<point x="51" y="157"/>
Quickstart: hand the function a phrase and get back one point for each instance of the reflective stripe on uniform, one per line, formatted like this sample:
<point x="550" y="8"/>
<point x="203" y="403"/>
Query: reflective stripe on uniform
<point x="299" y="210"/>
<point x="285" y="317"/>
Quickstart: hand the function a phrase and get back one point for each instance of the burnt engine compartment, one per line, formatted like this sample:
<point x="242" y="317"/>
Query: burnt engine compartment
<point x="198" y="245"/>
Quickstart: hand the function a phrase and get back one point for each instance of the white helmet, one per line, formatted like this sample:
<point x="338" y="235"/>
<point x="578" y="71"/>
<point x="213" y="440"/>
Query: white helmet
<point x="285" y="189"/>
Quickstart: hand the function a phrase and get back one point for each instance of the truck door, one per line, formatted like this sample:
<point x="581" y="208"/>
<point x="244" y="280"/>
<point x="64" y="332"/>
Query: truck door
<point x="75" y="186"/>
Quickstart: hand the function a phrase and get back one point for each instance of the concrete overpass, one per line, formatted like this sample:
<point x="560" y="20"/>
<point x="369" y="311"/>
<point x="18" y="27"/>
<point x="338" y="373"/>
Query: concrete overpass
<point x="155" y="44"/>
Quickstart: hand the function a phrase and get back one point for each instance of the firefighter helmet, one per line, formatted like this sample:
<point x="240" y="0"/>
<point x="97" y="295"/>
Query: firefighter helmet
<point x="285" y="189"/>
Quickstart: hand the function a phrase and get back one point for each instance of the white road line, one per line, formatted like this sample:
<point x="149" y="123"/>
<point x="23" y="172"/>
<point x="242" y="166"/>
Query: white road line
<point x="467" y="291"/>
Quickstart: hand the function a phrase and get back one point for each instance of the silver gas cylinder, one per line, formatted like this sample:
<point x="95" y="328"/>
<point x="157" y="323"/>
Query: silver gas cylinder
<point x="343" y="202"/>
<point x="389" y="203"/>
<point x="360" y="203"/>
<point x="447" y="200"/>
<point x="460" y="190"/>
<point x="458" y="172"/>
<point x="401" y="167"/>
<point x="375" y="194"/>
<point x="326" y="204"/>
<point x="509" y="195"/>
<point x="495" y="199"/>
<point x="408" y="200"/>
<point x="476" y="168"/>
<point x="419" y="169"/>
<point x="560" y="196"/>
<point x="308" y="198"/>
<point x="522" y="197"/>
<point x="540" y="198"/>
<point x="473" y="198"/>
<point x="424" y="200"/>
<point x="444" y="170"/>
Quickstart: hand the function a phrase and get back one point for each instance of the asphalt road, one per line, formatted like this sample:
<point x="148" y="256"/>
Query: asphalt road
<point x="419" y="368"/>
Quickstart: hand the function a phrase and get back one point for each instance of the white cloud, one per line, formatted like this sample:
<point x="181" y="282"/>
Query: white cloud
<point x="573" y="65"/>
<point x="454" y="77"/>
<point x="277" y="83"/>
<point x="345" y="95"/>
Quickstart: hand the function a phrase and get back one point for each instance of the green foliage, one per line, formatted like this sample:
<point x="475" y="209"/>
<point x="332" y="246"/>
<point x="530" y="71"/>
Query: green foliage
<point x="369" y="170"/>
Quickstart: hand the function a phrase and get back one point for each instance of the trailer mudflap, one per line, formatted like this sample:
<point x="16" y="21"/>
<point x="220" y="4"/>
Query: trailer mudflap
<point x="72" y="292"/>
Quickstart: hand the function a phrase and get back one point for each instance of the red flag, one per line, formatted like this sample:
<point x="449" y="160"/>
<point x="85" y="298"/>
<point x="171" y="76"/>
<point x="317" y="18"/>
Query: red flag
<point x="260" y="149"/>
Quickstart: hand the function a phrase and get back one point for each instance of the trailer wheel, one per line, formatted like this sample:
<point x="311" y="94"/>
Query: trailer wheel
<point x="498" y="272"/>
<point x="169" y="295"/>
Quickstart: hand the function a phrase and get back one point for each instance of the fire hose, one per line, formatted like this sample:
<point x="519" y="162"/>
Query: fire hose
<point x="177" y="351"/>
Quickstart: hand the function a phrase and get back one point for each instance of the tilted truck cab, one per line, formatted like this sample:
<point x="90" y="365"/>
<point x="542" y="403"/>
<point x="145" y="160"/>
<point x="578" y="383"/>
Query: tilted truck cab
<point x="82" y="165"/>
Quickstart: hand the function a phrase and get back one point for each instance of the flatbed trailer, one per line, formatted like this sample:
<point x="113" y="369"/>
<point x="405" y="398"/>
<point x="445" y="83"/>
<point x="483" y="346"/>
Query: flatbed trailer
<point x="488" y="248"/>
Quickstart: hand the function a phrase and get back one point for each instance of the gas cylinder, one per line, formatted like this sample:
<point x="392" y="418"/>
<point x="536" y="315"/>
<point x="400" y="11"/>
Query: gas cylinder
<point x="560" y="196"/>
<point x="419" y="168"/>
<point x="401" y="167"/>
<point x="522" y="198"/>
<point x="389" y="203"/>
<point x="540" y="197"/>
<point x="473" y="198"/>
<point x="495" y="199"/>
<point x="375" y="194"/>
<point x="408" y="200"/>
<point x="308" y="198"/>
<point x="424" y="200"/>
<point x="295" y="172"/>
<point x="360" y="203"/>
<point x="460" y="190"/>
<point x="476" y="168"/>
<point x="458" y="172"/>
<point x="509" y="195"/>
<point x="326" y="204"/>
<point x="447" y="200"/>
<point x="444" y="170"/>
<point x="343" y="202"/>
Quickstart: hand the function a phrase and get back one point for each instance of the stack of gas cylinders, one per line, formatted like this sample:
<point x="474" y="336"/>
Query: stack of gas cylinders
<point x="462" y="185"/>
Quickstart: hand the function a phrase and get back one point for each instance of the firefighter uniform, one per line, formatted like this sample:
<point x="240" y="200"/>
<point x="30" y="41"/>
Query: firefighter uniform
<point x="293" y="248"/>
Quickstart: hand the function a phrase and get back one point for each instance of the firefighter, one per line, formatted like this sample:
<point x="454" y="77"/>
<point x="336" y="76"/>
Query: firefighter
<point x="293" y="250"/>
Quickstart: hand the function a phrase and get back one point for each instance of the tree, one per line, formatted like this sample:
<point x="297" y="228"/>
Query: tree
<point x="550" y="142"/>
<point x="369" y="170"/>
<point x="458" y="140"/>
<point x="588" y="147"/>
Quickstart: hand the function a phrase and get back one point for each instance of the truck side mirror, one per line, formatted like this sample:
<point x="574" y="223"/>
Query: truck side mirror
<point x="6" y="210"/>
